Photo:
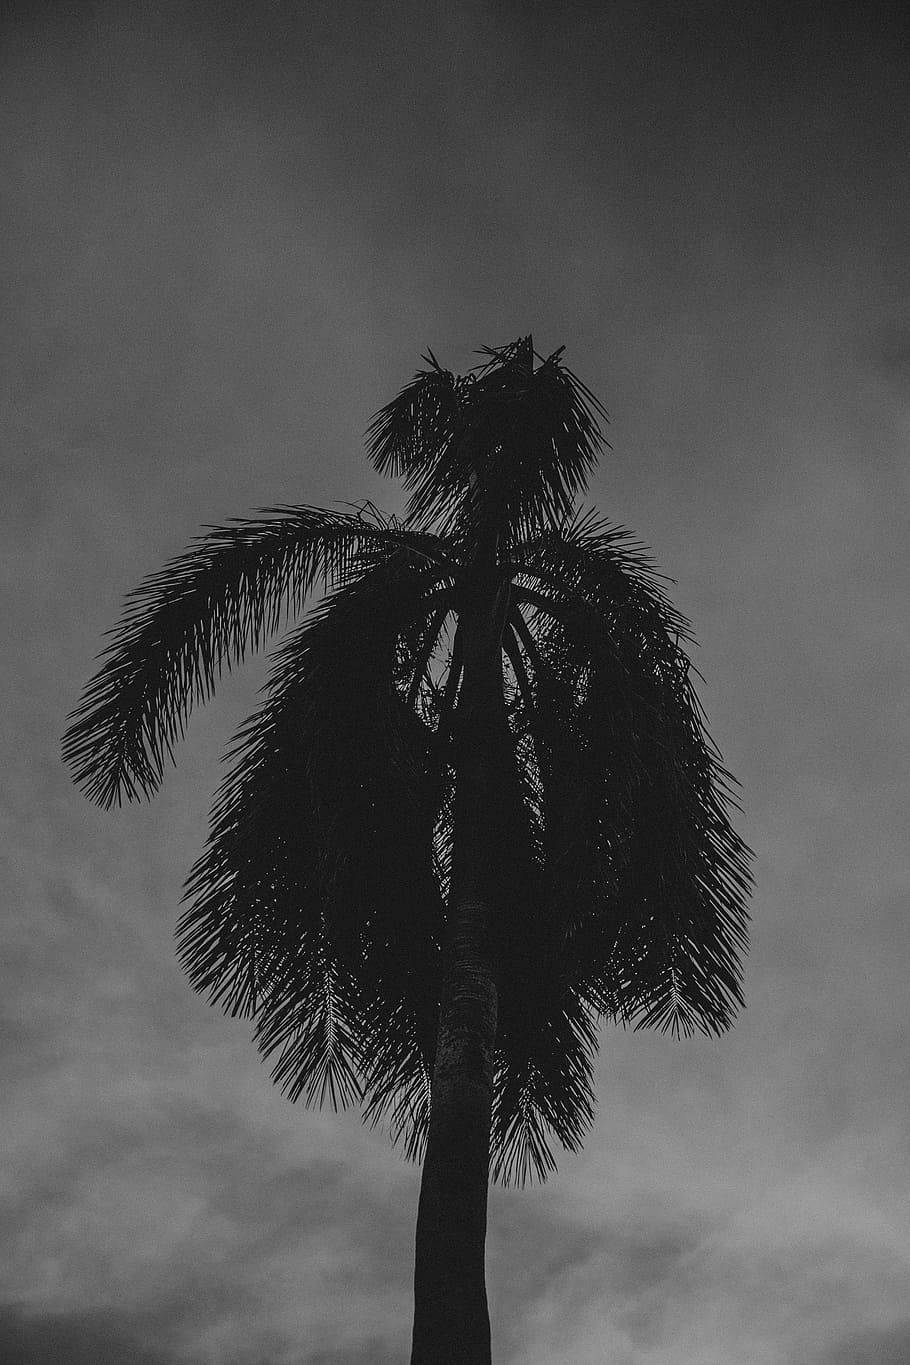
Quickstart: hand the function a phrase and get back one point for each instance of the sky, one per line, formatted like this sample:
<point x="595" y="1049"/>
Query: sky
<point x="229" y="232"/>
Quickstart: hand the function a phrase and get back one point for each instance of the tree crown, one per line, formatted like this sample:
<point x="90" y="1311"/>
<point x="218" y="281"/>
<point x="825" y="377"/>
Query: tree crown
<point x="317" y="908"/>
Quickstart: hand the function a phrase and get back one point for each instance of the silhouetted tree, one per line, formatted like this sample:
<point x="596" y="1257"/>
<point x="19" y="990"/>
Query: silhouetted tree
<point x="476" y="813"/>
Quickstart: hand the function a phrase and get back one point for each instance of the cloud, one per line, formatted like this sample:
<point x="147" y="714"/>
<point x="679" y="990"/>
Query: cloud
<point x="559" y="1284"/>
<point x="92" y="1338"/>
<point x="371" y="1352"/>
<point x="112" y="1337"/>
<point x="220" y="1239"/>
<point x="724" y="1245"/>
<point x="233" y="229"/>
<point x="887" y="351"/>
<point x="874" y="1346"/>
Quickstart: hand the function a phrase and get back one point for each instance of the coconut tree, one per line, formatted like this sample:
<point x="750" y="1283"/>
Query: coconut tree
<point x="476" y="814"/>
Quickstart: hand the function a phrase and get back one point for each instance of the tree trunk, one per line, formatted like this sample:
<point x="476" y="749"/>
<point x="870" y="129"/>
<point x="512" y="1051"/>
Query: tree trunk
<point x="451" y="1319"/>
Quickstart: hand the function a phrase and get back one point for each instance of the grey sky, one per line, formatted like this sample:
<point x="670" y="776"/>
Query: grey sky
<point x="229" y="232"/>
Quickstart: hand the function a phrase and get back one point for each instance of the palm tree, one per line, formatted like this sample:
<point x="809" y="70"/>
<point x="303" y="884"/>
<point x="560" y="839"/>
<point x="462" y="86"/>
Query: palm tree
<point x="477" y="812"/>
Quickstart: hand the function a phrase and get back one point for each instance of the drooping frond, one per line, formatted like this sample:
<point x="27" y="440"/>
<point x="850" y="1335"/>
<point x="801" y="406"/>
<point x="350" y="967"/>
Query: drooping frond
<point x="508" y="446"/>
<point x="590" y="563"/>
<point x="544" y="1079"/>
<point x="314" y="907"/>
<point x="643" y="867"/>
<point x="199" y="615"/>
<point x="314" y="1024"/>
<point x="397" y="1081"/>
<point x="418" y="425"/>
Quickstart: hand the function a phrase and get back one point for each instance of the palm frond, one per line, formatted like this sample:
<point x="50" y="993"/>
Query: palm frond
<point x="544" y="1082"/>
<point x="398" y="1068"/>
<point x="509" y="445"/>
<point x="642" y="865"/>
<point x="591" y="563"/>
<point x="314" y="907"/>
<point x="199" y="615"/>
<point x="415" y="428"/>
<point x="313" y="1020"/>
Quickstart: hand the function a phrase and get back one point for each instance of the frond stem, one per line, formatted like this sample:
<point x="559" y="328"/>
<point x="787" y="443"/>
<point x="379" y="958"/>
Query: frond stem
<point x="429" y="644"/>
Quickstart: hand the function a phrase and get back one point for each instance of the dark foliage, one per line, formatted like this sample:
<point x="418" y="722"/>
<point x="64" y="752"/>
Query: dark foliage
<point x="318" y="906"/>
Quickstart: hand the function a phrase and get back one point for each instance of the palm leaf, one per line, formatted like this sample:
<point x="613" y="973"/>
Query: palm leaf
<point x="201" y="614"/>
<point x="646" y="872"/>
<point x="544" y="1080"/>
<point x="507" y="445"/>
<point x="318" y="868"/>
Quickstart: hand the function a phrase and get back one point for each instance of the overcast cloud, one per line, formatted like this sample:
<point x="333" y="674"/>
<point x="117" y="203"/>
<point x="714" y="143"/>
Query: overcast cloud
<point x="229" y="233"/>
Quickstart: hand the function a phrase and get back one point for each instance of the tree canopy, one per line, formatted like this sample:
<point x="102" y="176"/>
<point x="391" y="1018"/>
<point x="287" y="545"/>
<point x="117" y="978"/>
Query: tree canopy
<point x="318" y="906"/>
